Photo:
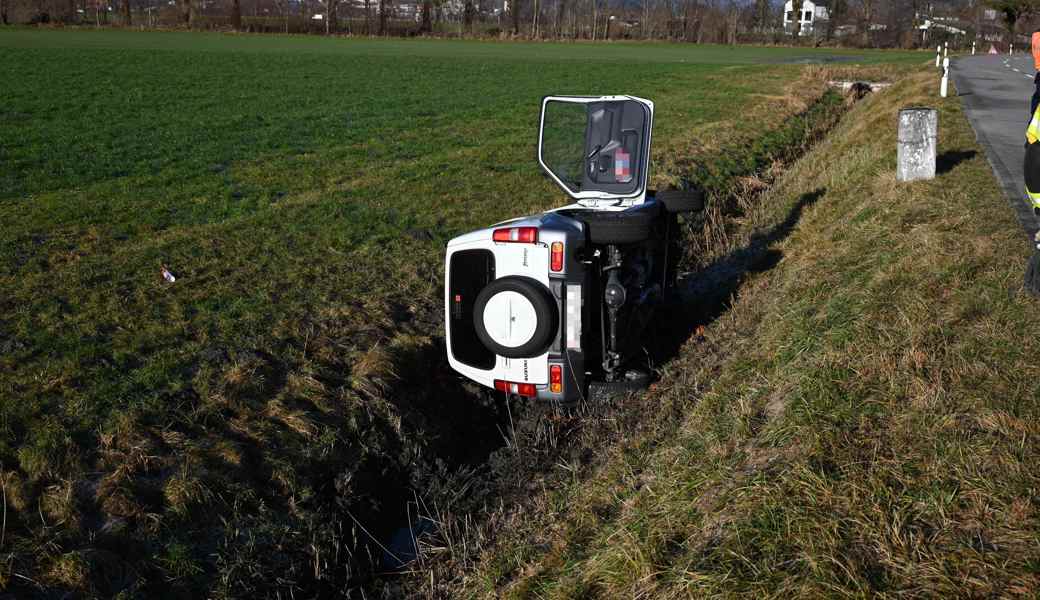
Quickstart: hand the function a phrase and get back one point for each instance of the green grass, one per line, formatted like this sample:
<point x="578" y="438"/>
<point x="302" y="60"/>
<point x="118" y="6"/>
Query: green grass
<point x="861" y="423"/>
<point x="203" y="436"/>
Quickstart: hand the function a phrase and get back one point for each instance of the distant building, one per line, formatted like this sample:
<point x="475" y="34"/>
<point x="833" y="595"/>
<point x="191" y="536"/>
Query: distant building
<point x="813" y="16"/>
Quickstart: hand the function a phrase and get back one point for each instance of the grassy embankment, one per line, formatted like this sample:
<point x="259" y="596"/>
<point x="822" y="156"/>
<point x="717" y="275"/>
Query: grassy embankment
<point x="229" y="433"/>
<point x="863" y="420"/>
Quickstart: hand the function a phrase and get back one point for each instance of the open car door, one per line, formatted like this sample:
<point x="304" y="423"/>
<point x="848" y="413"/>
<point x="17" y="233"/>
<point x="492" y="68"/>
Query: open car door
<point x="597" y="148"/>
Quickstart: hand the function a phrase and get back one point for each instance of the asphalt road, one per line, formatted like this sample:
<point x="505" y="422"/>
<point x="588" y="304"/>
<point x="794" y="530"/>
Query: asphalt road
<point x="996" y="90"/>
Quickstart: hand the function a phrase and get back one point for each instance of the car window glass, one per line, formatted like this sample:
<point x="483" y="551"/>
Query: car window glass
<point x="563" y="141"/>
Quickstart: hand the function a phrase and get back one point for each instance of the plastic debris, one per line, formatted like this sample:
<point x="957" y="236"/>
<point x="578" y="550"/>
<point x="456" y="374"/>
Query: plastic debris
<point x="167" y="275"/>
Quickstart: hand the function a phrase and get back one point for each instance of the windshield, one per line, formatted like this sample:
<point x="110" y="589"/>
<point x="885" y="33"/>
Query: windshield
<point x="595" y="146"/>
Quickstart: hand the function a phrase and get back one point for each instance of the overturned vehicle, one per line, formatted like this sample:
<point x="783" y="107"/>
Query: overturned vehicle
<point x="555" y="305"/>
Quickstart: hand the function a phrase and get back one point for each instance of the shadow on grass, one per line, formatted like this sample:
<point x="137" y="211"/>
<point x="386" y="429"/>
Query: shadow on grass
<point x="946" y="161"/>
<point x="706" y="294"/>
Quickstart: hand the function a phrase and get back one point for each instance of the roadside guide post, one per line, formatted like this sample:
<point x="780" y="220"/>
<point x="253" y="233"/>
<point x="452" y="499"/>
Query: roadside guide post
<point x="946" y="49"/>
<point x="938" y="53"/>
<point x="1011" y="48"/>
<point x="973" y="47"/>
<point x="915" y="153"/>
<point x="945" y="78"/>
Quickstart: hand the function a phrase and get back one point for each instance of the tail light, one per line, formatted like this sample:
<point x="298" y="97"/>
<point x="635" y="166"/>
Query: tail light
<point x="555" y="379"/>
<point x="522" y="235"/>
<point x="556" y="256"/>
<point x="520" y="389"/>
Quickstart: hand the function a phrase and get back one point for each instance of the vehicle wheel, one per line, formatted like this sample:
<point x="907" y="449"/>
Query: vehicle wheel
<point x="681" y="201"/>
<point x="514" y="317"/>
<point x="634" y="381"/>
<point x="618" y="227"/>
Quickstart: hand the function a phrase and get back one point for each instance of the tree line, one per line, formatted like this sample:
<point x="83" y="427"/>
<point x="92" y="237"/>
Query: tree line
<point x="878" y="23"/>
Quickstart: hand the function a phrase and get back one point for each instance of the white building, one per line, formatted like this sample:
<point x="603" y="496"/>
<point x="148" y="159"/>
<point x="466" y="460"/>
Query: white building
<point x="813" y="13"/>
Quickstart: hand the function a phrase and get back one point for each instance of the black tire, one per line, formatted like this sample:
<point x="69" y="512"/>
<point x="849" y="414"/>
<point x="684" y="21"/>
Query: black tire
<point x="634" y="381"/>
<point x="681" y="201"/>
<point x="617" y="227"/>
<point x="544" y="308"/>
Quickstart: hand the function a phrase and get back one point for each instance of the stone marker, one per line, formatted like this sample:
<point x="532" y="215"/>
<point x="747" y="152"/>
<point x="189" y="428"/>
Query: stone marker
<point x="918" y="130"/>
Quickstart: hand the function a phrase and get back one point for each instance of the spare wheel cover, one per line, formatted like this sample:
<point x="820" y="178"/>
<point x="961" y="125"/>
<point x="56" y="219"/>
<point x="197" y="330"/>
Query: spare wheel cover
<point x="510" y="319"/>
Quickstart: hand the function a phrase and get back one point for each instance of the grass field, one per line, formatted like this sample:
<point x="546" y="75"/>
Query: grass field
<point x="216" y="433"/>
<point x="861" y="423"/>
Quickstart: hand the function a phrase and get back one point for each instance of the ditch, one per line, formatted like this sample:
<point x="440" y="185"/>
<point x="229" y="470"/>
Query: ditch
<point x="431" y="506"/>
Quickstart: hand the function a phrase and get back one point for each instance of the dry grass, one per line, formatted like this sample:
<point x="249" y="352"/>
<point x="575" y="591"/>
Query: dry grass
<point x="869" y="425"/>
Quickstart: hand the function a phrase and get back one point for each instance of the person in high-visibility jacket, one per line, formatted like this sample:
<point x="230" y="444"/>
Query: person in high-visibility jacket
<point x="1031" y="169"/>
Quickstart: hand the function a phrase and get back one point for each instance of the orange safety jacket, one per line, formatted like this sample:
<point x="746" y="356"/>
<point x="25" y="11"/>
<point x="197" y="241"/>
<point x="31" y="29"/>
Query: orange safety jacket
<point x="1035" y="43"/>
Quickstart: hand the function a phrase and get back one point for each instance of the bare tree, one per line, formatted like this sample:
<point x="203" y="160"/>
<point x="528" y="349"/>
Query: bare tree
<point x="514" y="7"/>
<point x="426" y="17"/>
<point x="838" y="10"/>
<point x="762" y="16"/>
<point x="186" y="12"/>
<point x="797" y="6"/>
<point x="595" y="18"/>
<point x="469" y="11"/>
<point x="332" y="18"/>
<point x="382" y="17"/>
<point x="126" y="12"/>
<point x="1011" y="11"/>
<point x="236" y="14"/>
<point x="732" y="22"/>
<point x="561" y="17"/>
<point x="868" y="21"/>
<point x="3" y="12"/>
<point x="686" y="9"/>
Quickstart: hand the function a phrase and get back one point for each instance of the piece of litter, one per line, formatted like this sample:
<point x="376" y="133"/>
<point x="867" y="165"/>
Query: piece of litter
<point x="167" y="275"/>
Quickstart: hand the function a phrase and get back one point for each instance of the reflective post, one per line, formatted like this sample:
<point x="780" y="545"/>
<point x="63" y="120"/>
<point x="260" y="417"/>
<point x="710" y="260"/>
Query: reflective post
<point x="945" y="78"/>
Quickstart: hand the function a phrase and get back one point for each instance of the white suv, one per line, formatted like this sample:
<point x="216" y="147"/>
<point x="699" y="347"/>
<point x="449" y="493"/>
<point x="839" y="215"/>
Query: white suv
<point x="554" y="305"/>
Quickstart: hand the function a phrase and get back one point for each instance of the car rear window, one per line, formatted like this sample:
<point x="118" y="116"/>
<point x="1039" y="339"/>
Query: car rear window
<point x="470" y="272"/>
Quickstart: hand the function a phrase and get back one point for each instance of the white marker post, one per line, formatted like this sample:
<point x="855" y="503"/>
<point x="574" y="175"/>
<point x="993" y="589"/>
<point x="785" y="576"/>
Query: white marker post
<point x="973" y="48"/>
<point x="938" y="54"/>
<point x="1011" y="48"/>
<point x="946" y="49"/>
<point x="945" y="78"/>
